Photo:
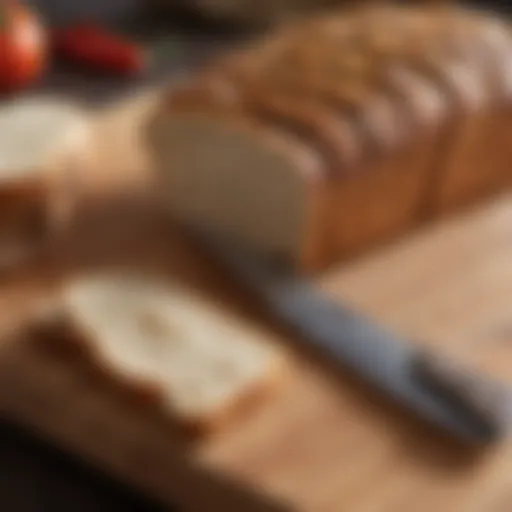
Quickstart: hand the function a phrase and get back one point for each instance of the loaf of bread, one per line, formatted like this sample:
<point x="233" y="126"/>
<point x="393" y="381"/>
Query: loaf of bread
<point x="44" y="144"/>
<point x="163" y="343"/>
<point x="339" y="132"/>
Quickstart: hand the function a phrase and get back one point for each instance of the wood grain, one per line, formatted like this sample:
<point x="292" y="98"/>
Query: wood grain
<point x="325" y="442"/>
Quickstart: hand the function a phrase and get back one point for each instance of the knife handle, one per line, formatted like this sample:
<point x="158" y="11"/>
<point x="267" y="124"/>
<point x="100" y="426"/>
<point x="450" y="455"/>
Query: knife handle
<point x="490" y="397"/>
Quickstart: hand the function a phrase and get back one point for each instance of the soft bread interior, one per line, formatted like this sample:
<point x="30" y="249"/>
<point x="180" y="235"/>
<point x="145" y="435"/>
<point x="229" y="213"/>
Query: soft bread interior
<point x="148" y="330"/>
<point x="33" y="131"/>
<point x="226" y="178"/>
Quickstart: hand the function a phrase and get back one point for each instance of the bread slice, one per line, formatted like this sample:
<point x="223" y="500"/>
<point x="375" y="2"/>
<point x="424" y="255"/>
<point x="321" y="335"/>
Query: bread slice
<point x="160" y="341"/>
<point x="398" y="118"/>
<point x="44" y="145"/>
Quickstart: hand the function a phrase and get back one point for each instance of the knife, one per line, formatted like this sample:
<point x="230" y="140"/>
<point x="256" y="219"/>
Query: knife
<point x="395" y="366"/>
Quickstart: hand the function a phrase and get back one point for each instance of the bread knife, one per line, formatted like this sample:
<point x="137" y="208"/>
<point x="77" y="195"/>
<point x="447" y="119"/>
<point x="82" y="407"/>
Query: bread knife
<point x="449" y="399"/>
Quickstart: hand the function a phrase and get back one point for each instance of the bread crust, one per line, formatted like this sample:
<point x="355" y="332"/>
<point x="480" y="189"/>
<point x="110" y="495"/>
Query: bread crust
<point x="411" y="108"/>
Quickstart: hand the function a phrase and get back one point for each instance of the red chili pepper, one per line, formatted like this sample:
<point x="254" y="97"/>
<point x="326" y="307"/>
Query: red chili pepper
<point x="91" y="46"/>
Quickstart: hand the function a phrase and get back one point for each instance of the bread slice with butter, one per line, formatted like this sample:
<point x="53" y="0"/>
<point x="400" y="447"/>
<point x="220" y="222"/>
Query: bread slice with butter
<point x="158" y="339"/>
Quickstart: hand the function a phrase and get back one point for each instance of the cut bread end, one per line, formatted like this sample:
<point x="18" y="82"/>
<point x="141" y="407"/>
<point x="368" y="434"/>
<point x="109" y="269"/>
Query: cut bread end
<point x="247" y="183"/>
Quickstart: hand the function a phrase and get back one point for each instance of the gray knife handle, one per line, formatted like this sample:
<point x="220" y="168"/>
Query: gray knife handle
<point x="490" y="397"/>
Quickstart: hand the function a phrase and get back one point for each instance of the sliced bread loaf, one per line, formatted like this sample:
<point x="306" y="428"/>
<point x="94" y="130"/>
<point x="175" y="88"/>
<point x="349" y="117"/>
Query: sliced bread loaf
<point x="396" y="108"/>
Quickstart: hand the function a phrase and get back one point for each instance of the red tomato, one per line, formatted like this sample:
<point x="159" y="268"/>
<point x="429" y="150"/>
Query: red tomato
<point x="22" y="46"/>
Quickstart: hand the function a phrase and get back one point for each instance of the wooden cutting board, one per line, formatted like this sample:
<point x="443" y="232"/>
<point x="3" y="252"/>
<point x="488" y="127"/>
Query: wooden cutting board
<point x="324" y="442"/>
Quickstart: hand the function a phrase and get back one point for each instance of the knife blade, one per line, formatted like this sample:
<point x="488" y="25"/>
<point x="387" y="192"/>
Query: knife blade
<point x="391" y="364"/>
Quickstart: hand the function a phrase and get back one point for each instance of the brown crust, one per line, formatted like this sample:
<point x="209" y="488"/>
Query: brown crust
<point x="351" y="87"/>
<point x="330" y="134"/>
<point x="357" y="90"/>
<point x="238" y="406"/>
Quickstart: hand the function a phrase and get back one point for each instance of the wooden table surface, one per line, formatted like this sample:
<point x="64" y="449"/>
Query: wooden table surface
<point x="37" y="477"/>
<point x="437" y="307"/>
<point x="325" y="442"/>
